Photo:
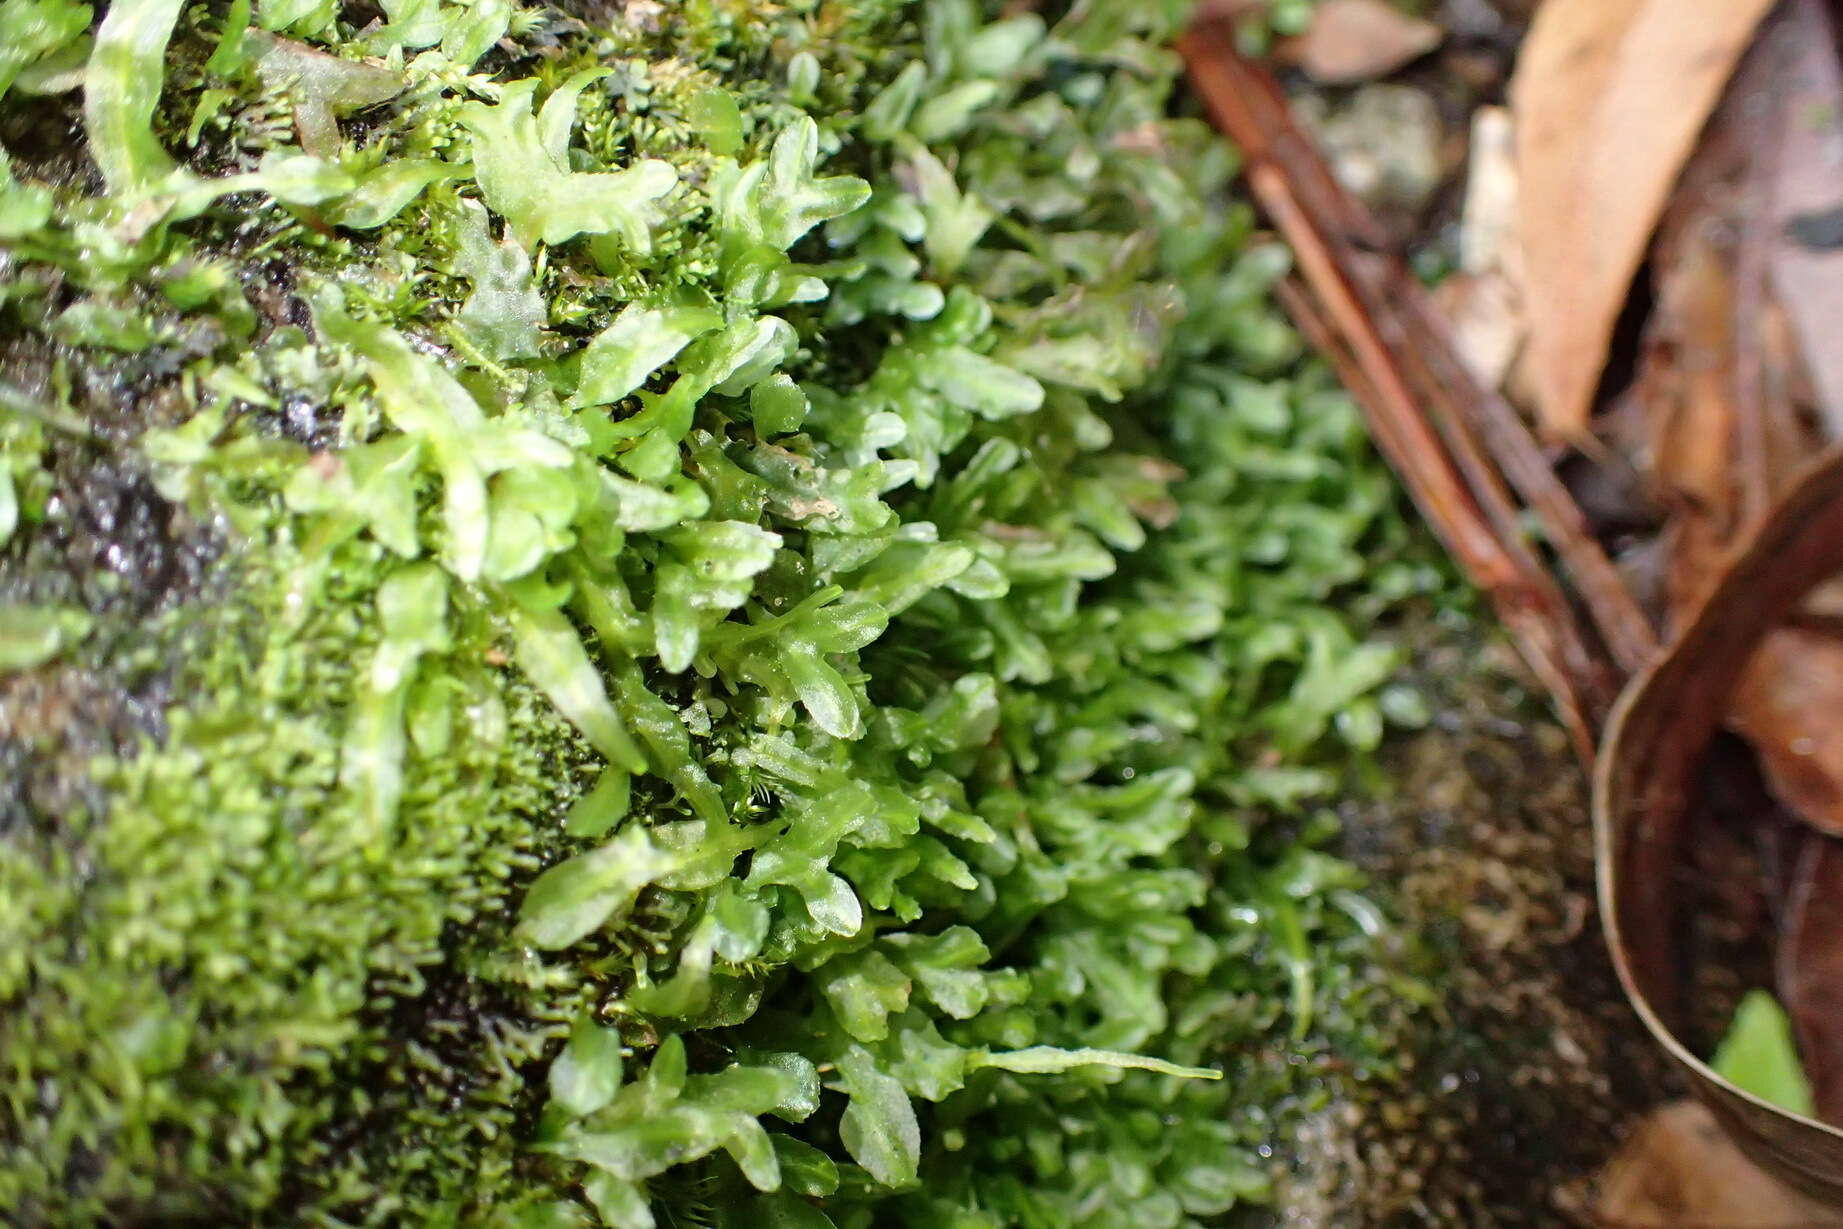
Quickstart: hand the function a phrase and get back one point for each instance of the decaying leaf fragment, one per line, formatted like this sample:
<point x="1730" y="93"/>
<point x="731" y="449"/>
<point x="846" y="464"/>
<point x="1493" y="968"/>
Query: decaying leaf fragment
<point x="1787" y="706"/>
<point x="1679" y="1169"/>
<point x="1358" y="40"/>
<point x="322" y="86"/>
<point x="1647" y="781"/>
<point x="1806" y="196"/>
<point x="1725" y="427"/>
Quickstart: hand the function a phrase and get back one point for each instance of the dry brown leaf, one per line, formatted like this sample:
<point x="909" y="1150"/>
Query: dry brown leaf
<point x="1358" y="40"/>
<point x="1608" y="97"/>
<point x="1791" y="440"/>
<point x="1787" y="706"/>
<point x="1723" y="432"/>
<point x="1678" y="1171"/>
<point x="1685" y="393"/>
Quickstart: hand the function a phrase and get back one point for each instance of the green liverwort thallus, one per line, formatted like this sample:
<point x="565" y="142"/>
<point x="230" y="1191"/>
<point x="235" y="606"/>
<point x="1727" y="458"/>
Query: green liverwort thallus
<point x="765" y="564"/>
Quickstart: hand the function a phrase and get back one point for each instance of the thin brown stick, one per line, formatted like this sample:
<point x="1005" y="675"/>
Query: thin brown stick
<point x="1255" y="113"/>
<point x="1532" y="632"/>
<point x="1401" y="432"/>
<point x="1628" y="633"/>
<point x="1475" y="420"/>
<point x="1460" y="448"/>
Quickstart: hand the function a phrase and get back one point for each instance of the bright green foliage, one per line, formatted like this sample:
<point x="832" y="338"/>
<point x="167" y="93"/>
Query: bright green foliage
<point x="666" y="1118"/>
<point x="122" y="86"/>
<point x="33" y="32"/>
<point x="253" y="899"/>
<point x="784" y="600"/>
<point x="1758" y="1054"/>
<point x="522" y="162"/>
<point x="33" y="635"/>
<point x="23" y="483"/>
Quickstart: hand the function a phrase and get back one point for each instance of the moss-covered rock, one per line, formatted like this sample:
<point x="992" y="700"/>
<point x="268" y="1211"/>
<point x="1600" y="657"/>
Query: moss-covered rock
<point x="661" y="614"/>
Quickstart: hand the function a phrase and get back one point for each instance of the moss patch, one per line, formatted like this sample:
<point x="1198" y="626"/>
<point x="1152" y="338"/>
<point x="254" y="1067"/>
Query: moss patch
<point x="739" y="611"/>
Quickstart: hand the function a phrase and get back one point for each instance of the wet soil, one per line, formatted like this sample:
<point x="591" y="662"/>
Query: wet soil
<point x="1518" y="1084"/>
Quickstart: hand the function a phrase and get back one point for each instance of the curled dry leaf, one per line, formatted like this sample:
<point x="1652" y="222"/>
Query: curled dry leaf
<point x="1647" y="779"/>
<point x="1358" y="40"/>
<point x="1608" y="96"/>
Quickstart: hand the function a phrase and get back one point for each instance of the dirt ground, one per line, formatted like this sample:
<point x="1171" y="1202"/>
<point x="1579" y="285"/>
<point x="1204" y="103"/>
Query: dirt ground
<point x="1522" y="1084"/>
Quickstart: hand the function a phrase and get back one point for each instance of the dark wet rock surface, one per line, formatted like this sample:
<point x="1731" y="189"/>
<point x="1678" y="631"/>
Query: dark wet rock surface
<point x="113" y="546"/>
<point x="1519" y="1084"/>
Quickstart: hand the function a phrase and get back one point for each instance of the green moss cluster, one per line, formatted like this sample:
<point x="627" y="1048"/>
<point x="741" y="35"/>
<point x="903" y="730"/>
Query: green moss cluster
<point x="222" y="974"/>
<point x="737" y="612"/>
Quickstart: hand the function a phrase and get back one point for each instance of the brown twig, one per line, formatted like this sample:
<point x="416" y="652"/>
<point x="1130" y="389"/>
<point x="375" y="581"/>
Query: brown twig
<point x="1461" y="450"/>
<point x="1616" y="614"/>
<point x="1404" y="436"/>
<point x="1475" y="420"/>
<point x="1452" y="522"/>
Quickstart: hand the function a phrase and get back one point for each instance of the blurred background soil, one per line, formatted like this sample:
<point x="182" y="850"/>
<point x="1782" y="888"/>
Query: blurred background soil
<point x="1522" y="1083"/>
